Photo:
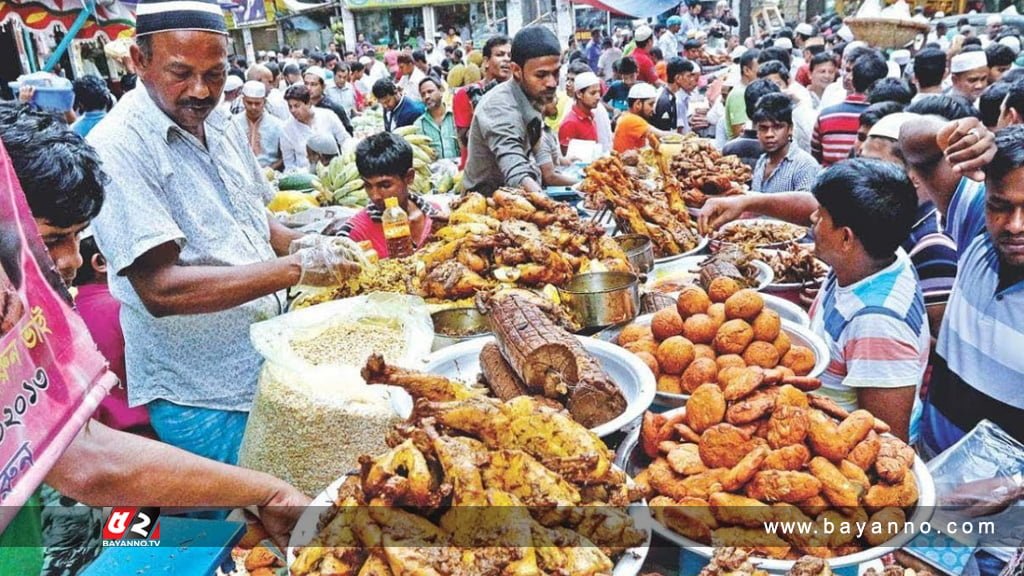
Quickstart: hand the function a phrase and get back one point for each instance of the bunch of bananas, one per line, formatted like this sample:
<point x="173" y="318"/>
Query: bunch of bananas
<point x="422" y="157"/>
<point x="342" y="181"/>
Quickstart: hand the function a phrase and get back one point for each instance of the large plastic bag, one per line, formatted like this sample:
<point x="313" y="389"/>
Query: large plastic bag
<point x="309" y="423"/>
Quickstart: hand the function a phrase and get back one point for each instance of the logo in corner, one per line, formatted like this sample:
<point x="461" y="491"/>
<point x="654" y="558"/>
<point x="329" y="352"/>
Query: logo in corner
<point x="132" y="526"/>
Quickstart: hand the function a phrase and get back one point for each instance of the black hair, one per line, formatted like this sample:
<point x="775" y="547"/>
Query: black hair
<point x="404" y="58"/>
<point x="773" y="67"/>
<point x="775" y="107"/>
<point x="821" y="58"/>
<point x="428" y="78"/>
<point x="1009" y="153"/>
<point x="785" y="32"/>
<point x="383" y="88"/>
<point x="356" y="66"/>
<point x="872" y="114"/>
<point x="656" y="54"/>
<point x="577" y="67"/>
<point x="942" y="25"/>
<point x="534" y="42"/>
<point x="867" y="70"/>
<point x="929" y="67"/>
<point x="677" y="66"/>
<point x="999" y="55"/>
<point x="606" y="43"/>
<point x="91" y="93"/>
<point x="990" y="103"/>
<point x="626" y="65"/>
<point x="86" y="273"/>
<point x="890" y="90"/>
<point x="577" y="56"/>
<point x="419" y="56"/>
<point x="1015" y="96"/>
<point x="777" y="54"/>
<point x="1012" y="75"/>
<point x="275" y="70"/>
<point x="297" y="92"/>
<point x="755" y="90"/>
<point x="969" y="42"/>
<point x="383" y="154"/>
<point x="60" y="174"/>
<point x="749" y="57"/>
<point x="290" y="69"/>
<point x="692" y="45"/>
<point x="962" y="22"/>
<point x="342" y="66"/>
<point x="945" y="106"/>
<point x="331" y="57"/>
<point x="853" y="54"/>
<point x="875" y="199"/>
<point x="317" y="58"/>
<point x="815" y="49"/>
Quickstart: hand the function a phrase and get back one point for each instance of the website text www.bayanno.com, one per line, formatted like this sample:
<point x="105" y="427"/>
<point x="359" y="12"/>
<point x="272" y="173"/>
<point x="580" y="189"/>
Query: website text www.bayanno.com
<point x="860" y="529"/>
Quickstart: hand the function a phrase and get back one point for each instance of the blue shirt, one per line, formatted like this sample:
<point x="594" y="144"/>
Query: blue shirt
<point x="86" y="121"/>
<point x="965" y="217"/>
<point x="796" y="172"/>
<point x="617" y="95"/>
<point x="593" y="54"/>
<point x="405" y="113"/>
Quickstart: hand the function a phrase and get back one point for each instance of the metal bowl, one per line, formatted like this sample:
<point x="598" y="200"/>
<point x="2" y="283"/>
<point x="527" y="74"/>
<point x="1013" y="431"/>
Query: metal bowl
<point x="701" y="245"/>
<point x="601" y="299"/>
<point x="639" y="251"/>
<point x="690" y="266"/>
<point x="631" y="458"/>
<point x="717" y="244"/>
<point x="468" y="322"/>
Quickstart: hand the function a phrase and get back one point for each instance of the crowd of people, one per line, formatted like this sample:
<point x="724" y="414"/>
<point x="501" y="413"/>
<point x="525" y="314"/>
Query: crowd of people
<point x="908" y="167"/>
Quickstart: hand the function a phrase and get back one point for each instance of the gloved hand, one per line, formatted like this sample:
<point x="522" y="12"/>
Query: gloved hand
<point x="327" y="260"/>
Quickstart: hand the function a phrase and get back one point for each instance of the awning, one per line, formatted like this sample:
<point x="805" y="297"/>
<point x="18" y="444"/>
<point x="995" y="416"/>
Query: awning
<point x="634" y="8"/>
<point x="112" y="21"/>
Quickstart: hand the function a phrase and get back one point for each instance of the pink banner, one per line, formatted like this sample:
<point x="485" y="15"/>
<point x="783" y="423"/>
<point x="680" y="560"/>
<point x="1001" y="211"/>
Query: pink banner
<point x="52" y="377"/>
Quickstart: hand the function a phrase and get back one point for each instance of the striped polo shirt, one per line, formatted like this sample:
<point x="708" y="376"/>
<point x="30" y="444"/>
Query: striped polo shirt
<point x="876" y="331"/>
<point x="933" y="254"/>
<point x="982" y="346"/>
<point x="965" y="217"/>
<point x="835" y="133"/>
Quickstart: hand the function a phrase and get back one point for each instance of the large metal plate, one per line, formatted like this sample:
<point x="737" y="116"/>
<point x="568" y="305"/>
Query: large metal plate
<point x="690" y="266"/>
<point x="701" y="245"/>
<point x="631" y="458"/>
<point x="634" y="378"/>
<point x="798" y="334"/>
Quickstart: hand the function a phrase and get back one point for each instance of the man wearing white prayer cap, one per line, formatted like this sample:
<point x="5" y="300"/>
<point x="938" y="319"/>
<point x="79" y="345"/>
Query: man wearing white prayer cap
<point x="581" y="121"/>
<point x="882" y="142"/>
<point x="232" y="90"/>
<point x="969" y="74"/>
<point x="1013" y="42"/>
<point x="262" y="128"/>
<point x="802" y="33"/>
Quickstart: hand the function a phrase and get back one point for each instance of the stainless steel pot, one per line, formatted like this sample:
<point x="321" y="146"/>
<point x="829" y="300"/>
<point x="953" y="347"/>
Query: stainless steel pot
<point x="458" y="325"/>
<point x="601" y="298"/>
<point x="639" y="251"/>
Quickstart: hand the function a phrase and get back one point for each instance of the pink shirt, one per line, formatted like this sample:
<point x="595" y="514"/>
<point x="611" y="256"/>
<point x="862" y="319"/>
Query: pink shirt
<point x="363" y="228"/>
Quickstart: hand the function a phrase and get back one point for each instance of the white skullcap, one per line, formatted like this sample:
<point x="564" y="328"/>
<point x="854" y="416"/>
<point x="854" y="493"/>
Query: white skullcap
<point x="254" y="89"/>
<point x="738" y="52"/>
<point x="643" y="33"/>
<point x="365" y="60"/>
<point x="845" y="33"/>
<point x="804" y="29"/>
<point x="585" y="80"/>
<point x="894" y="70"/>
<point x="323" y="143"/>
<point x="853" y="45"/>
<point x="889" y="126"/>
<point x="233" y="83"/>
<point x="642" y="91"/>
<point x="901" y="57"/>
<point x="1011" y="10"/>
<point x="994" y="20"/>
<point x="940" y="14"/>
<point x="316" y="71"/>
<point x="783" y="43"/>
<point x="1012" y="42"/>
<point x="965" y="61"/>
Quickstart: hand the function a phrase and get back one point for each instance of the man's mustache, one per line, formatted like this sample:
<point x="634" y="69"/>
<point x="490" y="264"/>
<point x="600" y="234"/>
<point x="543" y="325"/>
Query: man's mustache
<point x="197" y="103"/>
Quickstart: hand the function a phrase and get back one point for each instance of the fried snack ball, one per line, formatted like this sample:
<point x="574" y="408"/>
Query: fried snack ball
<point x="669" y="384"/>
<point x="733" y="337"/>
<point x="761" y="354"/>
<point x="704" y="351"/>
<point x="644" y="345"/>
<point x="634" y="332"/>
<point x="651" y="362"/>
<point x="685" y="459"/>
<point x="717" y="314"/>
<point x="745" y="305"/>
<point x="767" y="325"/>
<point x="722" y="288"/>
<point x="877" y="531"/>
<point x="782" y="343"/>
<point x="783" y="486"/>
<point x="705" y="408"/>
<point x="700" y="371"/>
<point x="866" y="451"/>
<point x="799" y="359"/>
<point x="665" y="324"/>
<point x="723" y="446"/>
<point x="692" y="300"/>
<point x="730" y="361"/>
<point x="674" y="355"/>
<point x="739" y="383"/>
<point x="700" y="329"/>
<point x="791" y="396"/>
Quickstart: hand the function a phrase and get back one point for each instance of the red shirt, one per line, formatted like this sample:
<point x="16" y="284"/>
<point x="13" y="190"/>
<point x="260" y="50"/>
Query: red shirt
<point x="462" y="110"/>
<point x="578" y="124"/>
<point x="645" y="66"/>
<point x="364" y="228"/>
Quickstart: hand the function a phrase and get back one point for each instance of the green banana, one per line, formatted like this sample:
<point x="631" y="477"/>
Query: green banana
<point x="351" y="186"/>
<point x="407" y="130"/>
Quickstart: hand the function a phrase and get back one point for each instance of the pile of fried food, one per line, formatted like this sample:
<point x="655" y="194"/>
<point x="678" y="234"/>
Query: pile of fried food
<point x="732" y="561"/>
<point x="474" y="485"/>
<point x="652" y="207"/>
<point x="704" y="58"/>
<point x="754" y="233"/>
<point x="730" y="262"/>
<point x="724" y="336"/>
<point x="703" y="171"/>
<point x="795" y="264"/>
<point x="752" y="450"/>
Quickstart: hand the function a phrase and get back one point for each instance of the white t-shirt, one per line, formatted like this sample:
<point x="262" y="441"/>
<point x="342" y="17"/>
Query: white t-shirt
<point x="295" y="134"/>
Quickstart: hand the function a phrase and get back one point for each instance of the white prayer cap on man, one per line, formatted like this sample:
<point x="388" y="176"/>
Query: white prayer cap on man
<point x="366" y="60"/>
<point x="939" y="14"/>
<point x="585" y="80"/>
<point x="894" y="70"/>
<point x="738" y="52"/>
<point x="783" y="43"/>
<point x="643" y="33"/>
<point x="642" y="91"/>
<point x="804" y="29"/>
<point x="901" y="57"/>
<point x="316" y="71"/>
<point x="854" y="45"/>
<point x="994" y="20"/>
<point x="1012" y="42"/>
<point x="323" y="143"/>
<point x="889" y="126"/>
<point x="965" y="61"/>
<point x="254" y="89"/>
<point x="845" y="33"/>
<point x="233" y="83"/>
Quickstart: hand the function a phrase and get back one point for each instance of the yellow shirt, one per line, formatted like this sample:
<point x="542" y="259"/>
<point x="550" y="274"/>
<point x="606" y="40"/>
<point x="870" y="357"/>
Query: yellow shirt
<point x="564" y="104"/>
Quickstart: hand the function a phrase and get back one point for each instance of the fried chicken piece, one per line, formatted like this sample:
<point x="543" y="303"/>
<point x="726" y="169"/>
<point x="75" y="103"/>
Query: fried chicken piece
<point x="521" y="475"/>
<point x="745" y="469"/>
<point x="685" y="459"/>
<point x="374" y="566"/>
<point x="894" y="460"/>
<point x="564" y="551"/>
<point x="788" y="425"/>
<point x="690" y="517"/>
<point x="838" y="489"/>
<point x="735" y="510"/>
<point x="705" y="408"/>
<point x="451" y="280"/>
<point x="763" y="543"/>
<point x="783" y="486"/>
<point x="899" y="495"/>
<point x="723" y="446"/>
<point x="402" y="477"/>
<point x="792" y="457"/>
<point x="810" y="566"/>
<point x="751" y="408"/>
<point x="417" y="384"/>
<point x="866" y="451"/>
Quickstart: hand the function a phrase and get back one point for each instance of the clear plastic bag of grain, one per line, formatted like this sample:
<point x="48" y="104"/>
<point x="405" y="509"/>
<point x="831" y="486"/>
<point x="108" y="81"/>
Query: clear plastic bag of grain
<point x="313" y="415"/>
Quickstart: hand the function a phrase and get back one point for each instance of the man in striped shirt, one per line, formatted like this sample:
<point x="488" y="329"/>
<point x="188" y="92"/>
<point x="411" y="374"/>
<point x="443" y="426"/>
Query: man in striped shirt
<point x="835" y="133"/>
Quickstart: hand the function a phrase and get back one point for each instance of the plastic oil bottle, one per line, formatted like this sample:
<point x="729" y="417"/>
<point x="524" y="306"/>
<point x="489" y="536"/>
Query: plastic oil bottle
<point x="397" y="234"/>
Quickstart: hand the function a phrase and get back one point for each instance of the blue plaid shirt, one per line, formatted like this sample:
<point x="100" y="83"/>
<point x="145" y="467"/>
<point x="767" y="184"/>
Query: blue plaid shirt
<point x="796" y="172"/>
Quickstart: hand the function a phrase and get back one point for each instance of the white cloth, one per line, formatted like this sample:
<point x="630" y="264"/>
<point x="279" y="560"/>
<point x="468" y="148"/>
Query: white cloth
<point x="604" y="128"/>
<point x="436" y="58"/>
<point x="410" y="84"/>
<point x="668" y="44"/>
<point x="295" y="134"/>
<point x="834" y="94"/>
<point x="804" y="118"/>
<point x="277" y="106"/>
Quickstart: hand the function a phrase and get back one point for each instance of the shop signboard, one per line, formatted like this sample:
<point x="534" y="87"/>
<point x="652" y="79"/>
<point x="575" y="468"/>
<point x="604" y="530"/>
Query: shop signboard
<point x="250" y="13"/>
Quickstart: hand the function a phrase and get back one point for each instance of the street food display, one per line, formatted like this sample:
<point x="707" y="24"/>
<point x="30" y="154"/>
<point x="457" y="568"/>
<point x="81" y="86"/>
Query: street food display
<point x="758" y="233"/>
<point x="795" y="264"/>
<point x="732" y="264"/>
<point x="703" y="171"/>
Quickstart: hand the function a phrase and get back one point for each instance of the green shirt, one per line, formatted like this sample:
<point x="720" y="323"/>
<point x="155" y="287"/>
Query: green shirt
<point x="444" y="139"/>
<point x="735" y="109"/>
<point x="21" y="544"/>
